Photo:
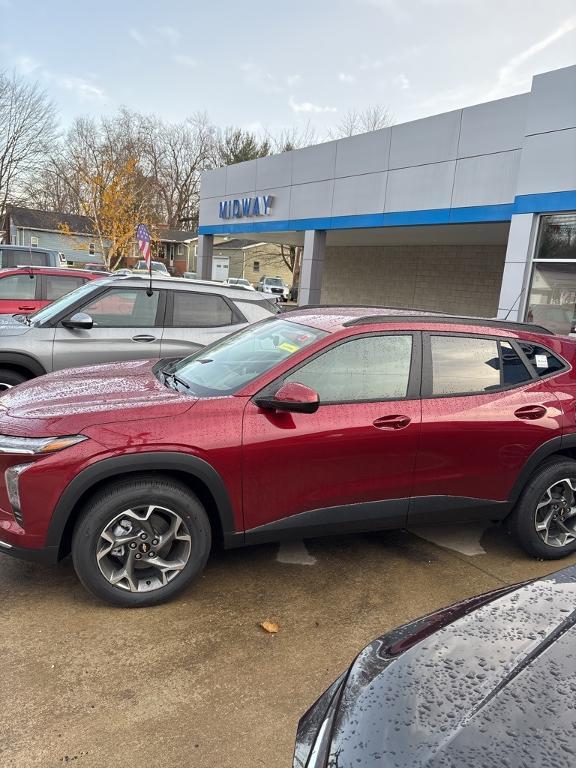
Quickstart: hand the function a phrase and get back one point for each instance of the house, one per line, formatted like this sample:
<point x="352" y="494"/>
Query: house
<point x="66" y="232"/>
<point x="175" y="248"/>
<point x="253" y="260"/>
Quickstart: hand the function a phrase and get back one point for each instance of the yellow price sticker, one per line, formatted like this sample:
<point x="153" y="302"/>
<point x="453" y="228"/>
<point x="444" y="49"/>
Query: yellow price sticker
<point x="288" y="347"/>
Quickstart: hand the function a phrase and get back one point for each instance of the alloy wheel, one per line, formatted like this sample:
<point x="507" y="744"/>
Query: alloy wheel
<point x="555" y="517"/>
<point x="143" y="548"/>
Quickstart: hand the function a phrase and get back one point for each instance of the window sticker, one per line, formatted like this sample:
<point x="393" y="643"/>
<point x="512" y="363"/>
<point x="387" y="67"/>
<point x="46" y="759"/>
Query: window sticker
<point x="288" y="347"/>
<point x="541" y="361"/>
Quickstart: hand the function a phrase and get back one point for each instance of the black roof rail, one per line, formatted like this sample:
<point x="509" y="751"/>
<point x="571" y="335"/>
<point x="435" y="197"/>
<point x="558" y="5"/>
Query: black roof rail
<point x="449" y="319"/>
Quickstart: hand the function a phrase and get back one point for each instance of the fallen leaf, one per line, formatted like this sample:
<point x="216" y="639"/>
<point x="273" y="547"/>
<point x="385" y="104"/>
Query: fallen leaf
<point x="270" y="626"/>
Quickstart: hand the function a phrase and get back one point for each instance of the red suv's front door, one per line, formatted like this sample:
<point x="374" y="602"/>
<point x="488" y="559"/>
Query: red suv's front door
<point x="485" y="414"/>
<point x="350" y="464"/>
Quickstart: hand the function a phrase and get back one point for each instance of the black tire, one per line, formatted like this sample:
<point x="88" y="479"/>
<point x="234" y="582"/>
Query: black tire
<point x="127" y="494"/>
<point x="523" y="520"/>
<point x="10" y="378"/>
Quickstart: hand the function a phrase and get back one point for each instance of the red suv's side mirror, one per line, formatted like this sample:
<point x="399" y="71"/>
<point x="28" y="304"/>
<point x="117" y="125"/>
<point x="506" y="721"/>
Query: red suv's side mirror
<point x="294" y="397"/>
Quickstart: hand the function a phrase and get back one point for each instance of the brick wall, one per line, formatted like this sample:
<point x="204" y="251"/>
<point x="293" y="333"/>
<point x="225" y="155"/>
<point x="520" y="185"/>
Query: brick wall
<point x="462" y="279"/>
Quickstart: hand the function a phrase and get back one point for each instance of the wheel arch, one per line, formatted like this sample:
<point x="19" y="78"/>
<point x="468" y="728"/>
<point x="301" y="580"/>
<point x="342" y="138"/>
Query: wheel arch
<point x="564" y="446"/>
<point x="200" y="477"/>
<point x="22" y="362"/>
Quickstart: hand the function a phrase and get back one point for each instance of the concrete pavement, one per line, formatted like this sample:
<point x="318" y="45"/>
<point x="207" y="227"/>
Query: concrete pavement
<point x="197" y="682"/>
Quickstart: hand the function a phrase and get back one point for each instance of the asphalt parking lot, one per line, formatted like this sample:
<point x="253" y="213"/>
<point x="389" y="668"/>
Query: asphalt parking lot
<point x="197" y="681"/>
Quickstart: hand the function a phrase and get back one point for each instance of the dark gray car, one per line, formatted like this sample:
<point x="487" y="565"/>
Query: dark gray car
<point x="116" y="319"/>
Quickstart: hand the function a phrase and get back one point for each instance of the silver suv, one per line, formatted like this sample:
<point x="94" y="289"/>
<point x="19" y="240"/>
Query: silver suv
<point x="25" y="256"/>
<point x="116" y="318"/>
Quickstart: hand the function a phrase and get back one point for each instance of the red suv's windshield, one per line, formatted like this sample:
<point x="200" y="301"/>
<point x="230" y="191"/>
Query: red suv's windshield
<point x="225" y="367"/>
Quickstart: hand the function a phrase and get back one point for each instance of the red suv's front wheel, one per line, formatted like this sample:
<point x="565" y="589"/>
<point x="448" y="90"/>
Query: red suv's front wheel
<point x="141" y="541"/>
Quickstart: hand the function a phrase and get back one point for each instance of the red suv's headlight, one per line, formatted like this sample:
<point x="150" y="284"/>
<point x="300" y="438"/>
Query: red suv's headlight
<point x="37" y="445"/>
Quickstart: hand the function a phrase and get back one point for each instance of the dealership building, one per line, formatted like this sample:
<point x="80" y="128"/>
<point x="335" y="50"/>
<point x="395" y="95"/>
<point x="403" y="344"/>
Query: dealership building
<point x="471" y="211"/>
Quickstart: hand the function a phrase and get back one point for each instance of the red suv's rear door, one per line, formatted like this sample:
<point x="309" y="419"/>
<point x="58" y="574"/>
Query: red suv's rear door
<point x="19" y="293"/>
<point x="350" y="464"/>
<point x="484" y="412"/>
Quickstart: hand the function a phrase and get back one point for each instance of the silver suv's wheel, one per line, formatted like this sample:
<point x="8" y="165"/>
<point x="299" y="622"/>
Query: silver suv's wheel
<point x="141" y="541"/>
<point x="544" y="520"/>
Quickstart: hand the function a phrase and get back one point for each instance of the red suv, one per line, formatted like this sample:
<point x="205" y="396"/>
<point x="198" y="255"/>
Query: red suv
<point x="319" y="420"/>
<point x="26" y="289"/>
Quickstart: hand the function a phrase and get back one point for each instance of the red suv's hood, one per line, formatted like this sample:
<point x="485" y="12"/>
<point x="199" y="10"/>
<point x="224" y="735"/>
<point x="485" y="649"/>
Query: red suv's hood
<point x="68" y="401"/>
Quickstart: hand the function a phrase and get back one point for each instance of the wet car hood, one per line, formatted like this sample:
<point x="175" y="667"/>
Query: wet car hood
<point x="90" y="395"/>
<point x="495" y="686"/>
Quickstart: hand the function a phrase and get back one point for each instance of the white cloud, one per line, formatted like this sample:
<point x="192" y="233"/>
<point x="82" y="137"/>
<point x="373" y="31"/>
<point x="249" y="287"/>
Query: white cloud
<point x="509" y="78"/>
<point x="184" y="60"/>
<point x="309" y="107"/>
<point x="171" y="34"/>
<point x="368" y="64"/>
<point x="291" y="80"/>
<point x="402" y="82"/>
<point x="84" y="89"/>
<point x="346" y="77"/>
<point x="137" y="36"/>
<point x="26" y="65"/>
<point x="258" y="78"/>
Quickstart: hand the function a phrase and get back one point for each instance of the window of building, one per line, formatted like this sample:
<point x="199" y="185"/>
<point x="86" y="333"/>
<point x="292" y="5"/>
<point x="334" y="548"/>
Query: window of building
<point x="59" y="285"/>
<point x="368" y="368"/>
<point x="18" y="287"/>
<point x="256" y="266"/>
<point x="124" y="308"/>
<point x="552" y="296"/>
<point x="180" y="250"/>
<point x="92" y="248"/>
<point x="200" y="310"/>
<point x="34" y="241"/>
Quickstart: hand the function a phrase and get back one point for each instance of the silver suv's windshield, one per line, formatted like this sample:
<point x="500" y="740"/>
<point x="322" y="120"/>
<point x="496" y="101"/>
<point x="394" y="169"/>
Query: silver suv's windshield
<point x="226" y="366"/>
<point x="274" y="281"/>
<point x="64" y="302"/>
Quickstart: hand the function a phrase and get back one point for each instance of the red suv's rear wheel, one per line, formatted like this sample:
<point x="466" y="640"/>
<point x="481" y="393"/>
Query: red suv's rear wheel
<point x="545" y="518"/>
<point x="141" y="541"/>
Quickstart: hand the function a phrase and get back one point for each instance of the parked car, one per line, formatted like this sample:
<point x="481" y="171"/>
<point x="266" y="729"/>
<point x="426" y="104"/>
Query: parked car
<point x="26" y="289"/>
<point x="25" y="256"/>
<point x="157" y="266"/>
<point x="241" y="282"/>
<point x="489" y="682"/>
<point x="114" y="319"/>
<point x="364" y="418"/>
<point x="97" y="267"/>
<point x="274" y="286"/>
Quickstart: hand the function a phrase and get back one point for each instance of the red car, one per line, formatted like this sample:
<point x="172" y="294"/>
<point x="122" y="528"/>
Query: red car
<point x="315" y="421"/>
<point x="23" y="290"/>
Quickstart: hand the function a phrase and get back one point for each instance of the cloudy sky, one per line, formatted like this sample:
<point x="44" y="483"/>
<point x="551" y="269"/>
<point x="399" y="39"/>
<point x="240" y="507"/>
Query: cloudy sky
<point x="274" y="63"/>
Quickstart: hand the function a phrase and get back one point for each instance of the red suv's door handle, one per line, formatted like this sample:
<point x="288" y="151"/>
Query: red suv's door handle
<point x="27" y="308"/>
<point x="530" y="412"/>
<point x="392" y="422"/>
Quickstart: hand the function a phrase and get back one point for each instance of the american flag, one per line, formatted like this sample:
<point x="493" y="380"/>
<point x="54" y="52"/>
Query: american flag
<point x="143" y="237"/>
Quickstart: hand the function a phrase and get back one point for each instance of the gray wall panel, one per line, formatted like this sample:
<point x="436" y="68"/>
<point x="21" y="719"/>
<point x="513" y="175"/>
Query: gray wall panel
<point x="366" y="153"/>
<point x="552" y="101"/>
<point x="548" y="163"/>
<point x="496" y="126"/>
<point x="213" y="183"/>
<point x="359" y="194"/>
<point x="486" y="180"/>
<point x="311" y="200"/>
<point x="241" y="178"/>
<point x="314" y="163"/>
<point x="431" y="140"/>
<point x="274" y="171"/>
<point x="427" y="186"/>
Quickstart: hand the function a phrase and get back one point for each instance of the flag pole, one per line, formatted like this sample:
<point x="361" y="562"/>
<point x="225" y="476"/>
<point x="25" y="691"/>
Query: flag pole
<point x="150" y="291"/>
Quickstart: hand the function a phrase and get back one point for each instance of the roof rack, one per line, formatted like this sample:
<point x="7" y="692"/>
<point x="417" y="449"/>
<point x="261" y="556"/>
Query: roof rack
<point x="461" y="320"/>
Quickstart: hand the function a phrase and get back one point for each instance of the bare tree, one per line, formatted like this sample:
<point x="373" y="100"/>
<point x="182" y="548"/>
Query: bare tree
<point x="27" y="127"/>
<point x="353" y="122"/>
<point x="292" y="138"/>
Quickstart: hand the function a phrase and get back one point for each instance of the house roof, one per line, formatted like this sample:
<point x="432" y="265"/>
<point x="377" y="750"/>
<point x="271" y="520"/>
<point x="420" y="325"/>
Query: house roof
<point x="176" y="235"/>
<point x="236" y="244"/>
<point x="50" y="221"/>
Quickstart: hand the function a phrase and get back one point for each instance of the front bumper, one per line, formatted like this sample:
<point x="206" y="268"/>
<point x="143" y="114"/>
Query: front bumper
<point x="46" y="555"/>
